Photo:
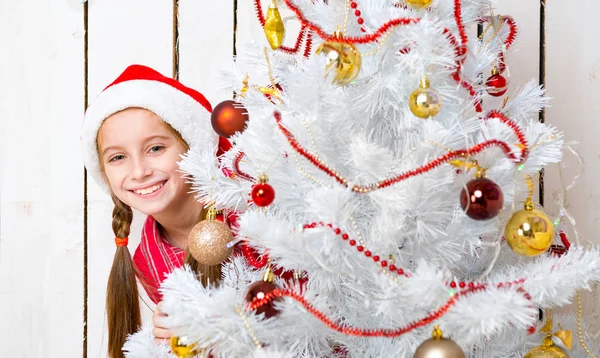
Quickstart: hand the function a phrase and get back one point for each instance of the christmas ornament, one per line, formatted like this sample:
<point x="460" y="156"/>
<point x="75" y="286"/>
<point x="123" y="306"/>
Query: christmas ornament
<point x="419" y="4"/>
<point x="529" y="232"/>
<point x="424" y="102"/>
<point x="271" y="92"/>
<point x="482" y="199"/>
<point x="274" y="29"/>
<point x="208" y="240"/>
<point x="263" y="193"/>
<point x="259" y="289"/>
<point x="496" y="84"/>
<point x="548" y="349"/>
<point x="343" y="58"/>
<point x="229" y="117"/>
<point x="439" y="347"/>
<point x="182" y="350"/>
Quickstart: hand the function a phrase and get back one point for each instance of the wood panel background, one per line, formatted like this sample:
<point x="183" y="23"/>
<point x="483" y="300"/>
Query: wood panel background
<point x="55" y="238"/>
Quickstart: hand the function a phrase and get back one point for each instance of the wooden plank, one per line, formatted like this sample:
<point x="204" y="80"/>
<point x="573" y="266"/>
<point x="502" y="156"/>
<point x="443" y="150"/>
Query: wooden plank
<point x="41" y="179"/>
<point x="573" y="81"/>
<point x="120" y="33"/>
<point x="205" y="45"/>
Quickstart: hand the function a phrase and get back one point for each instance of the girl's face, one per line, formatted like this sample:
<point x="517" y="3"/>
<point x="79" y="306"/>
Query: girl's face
<point x="139" y="154"/>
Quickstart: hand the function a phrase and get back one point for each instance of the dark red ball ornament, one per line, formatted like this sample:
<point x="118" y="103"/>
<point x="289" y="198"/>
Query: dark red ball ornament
<point x="496" y="84"/>
<point x="229" y="117"/>
<point x="483" y="200"/>
<point x="262" y="193"/>
<point x="259" y="289"/>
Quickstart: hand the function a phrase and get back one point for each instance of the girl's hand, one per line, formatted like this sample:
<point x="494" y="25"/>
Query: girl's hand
<point x="161" y="334"/>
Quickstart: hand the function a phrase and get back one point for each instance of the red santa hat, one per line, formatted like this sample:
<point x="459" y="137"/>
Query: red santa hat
<point x="185" y="109"/>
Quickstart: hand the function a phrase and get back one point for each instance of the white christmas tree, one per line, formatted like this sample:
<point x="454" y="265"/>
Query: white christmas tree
<point x="403" y="194"/>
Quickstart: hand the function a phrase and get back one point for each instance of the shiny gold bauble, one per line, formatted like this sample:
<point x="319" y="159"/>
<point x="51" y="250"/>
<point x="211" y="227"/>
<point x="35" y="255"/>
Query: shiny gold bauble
<point x="424" y="102"/>
<point x="529" y="232"/>
<point x="181" y="349"/>
<point x="208" y="242"/>
<point x="439" y="348"/>
<point x="419" y="4"/>
<point x="546" y="350"/>
<point x="341" y="58"/>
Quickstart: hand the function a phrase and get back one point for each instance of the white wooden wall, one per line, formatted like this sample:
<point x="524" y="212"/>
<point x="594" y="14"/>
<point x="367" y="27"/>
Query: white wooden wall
<point x="56" y="243"/>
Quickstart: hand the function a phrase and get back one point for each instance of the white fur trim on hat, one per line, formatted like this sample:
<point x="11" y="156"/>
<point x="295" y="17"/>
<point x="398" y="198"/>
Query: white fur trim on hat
<point x="180" y="110"/>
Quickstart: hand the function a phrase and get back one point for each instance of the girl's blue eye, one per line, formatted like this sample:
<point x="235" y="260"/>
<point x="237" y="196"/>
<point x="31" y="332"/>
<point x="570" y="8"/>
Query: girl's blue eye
<point x="156" y="148"/>
<point x="116" y="157"/>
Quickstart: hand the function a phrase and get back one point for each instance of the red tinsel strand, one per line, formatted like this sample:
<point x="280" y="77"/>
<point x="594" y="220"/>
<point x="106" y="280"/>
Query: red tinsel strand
<point x="515" y="128"/>
<point x="349" y="39"/>
<point x="294" y="50"/>
<point x="253" y="258"/>
<point x="308" y="46"/>
<point x="238" y="171"/>
<point x="461" y="27"/>
<point x="512" y="35"/>
<point x="508" y="42"/>
<point x="259" y="12"/>
<point x="461" y="153"/>
<point x="564" y="240"/>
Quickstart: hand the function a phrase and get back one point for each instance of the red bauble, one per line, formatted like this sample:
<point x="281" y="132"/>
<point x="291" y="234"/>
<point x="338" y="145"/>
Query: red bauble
<point x="483" y="200"/>
<point x="263" y="194"/>
<point x="229" y="117"/>
<point x="496" y="85"/>
<point x="259" y="290"/>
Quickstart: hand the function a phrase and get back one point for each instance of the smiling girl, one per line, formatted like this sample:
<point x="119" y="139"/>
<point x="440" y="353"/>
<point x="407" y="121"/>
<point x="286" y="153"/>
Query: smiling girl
<point x="134" y="135"/>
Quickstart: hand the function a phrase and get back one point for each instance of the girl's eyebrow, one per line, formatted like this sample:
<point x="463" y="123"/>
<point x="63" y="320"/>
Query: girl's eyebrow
<point x="117" y="147"/>
<point x="158" y="136"/>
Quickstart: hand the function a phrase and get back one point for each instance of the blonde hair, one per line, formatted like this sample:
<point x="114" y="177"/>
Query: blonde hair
<point x="122" y="297"/>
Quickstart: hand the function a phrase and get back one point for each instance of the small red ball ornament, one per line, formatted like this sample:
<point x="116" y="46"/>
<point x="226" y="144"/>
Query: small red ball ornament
<point x="482" y="199"/>
<point x="263" y="193"/>
<point x="229" y="117"/>
<point x="259" y="289"/>
<point x="496" y="84"/>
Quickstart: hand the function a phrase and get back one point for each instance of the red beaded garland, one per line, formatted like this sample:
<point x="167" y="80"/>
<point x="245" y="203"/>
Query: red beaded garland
<point x="258" y="291"/>
<point x="353" y="331"/>
<point x="425" y="168"/>
<point x="400" y="271"/>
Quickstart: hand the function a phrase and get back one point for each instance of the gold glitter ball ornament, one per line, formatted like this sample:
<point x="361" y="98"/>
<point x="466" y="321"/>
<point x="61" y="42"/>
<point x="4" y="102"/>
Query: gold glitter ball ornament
<point x="182" y="350"/>
<point x="439" y="347"/>
<point x="419" y="4"/>
<point x="208" y="241"/>
<point x="274" y="29"/>
<point x="424" y="102"/>
<point x="341" y="58"/>
<point x="529" y="232"/>
<point x="546" y="350"/>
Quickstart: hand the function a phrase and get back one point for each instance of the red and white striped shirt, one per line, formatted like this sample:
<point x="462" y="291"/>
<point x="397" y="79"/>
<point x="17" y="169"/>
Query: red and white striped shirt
<point x="155" y="258"/>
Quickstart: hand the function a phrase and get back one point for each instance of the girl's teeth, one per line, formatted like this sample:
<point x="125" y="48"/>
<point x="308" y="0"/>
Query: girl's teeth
<point x="149" y="190"/>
